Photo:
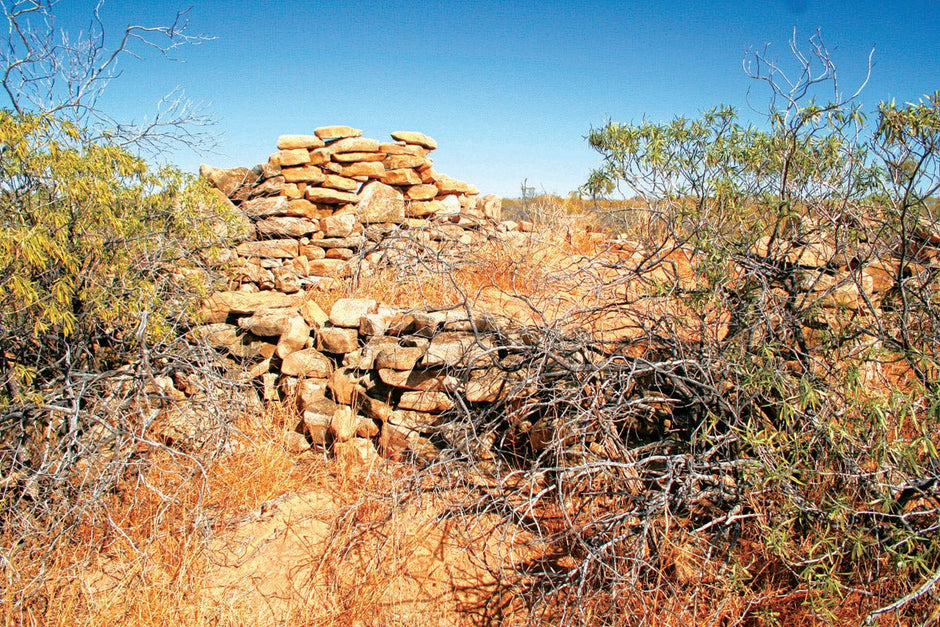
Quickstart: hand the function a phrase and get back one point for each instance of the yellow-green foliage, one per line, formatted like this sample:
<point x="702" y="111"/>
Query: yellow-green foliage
<point x="87" y="231"/>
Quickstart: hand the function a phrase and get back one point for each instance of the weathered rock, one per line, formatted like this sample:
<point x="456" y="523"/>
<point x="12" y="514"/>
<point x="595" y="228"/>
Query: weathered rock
<point x="421" y="192"/>
<point x="339" y="253"/>
<point x="216" y="335"/>
<point x="270" y="187"/>
<point x="291" y="142"/>
<point x="316" y="426"/>
<point x="344" y="385"/>
<point x="448" y="185"/>
<point x="417" y="379"/>
<point x="286" y="280"/>
<point x="295" y="442"/>
<point x="307" y="363"/>
<point x="330" y="133"/>
<point x="295" y="337"/>
<point x="329" y="196"/>
<point x="354" y="144"/>
<point x="413" y="137"/>
<point x="486" y="387"/>
<point x="453" y="349"/>
<point x="310" y="391"/>
<point x="401" y="148"/>
<point x="346" y="312"/>
<point x="269" y="248"/>
<point x="450" y="205"/>
<point x="413" y="420"/>
<point x="314" y="316"/>
<point x="343" y="424"/>
<point x="401" y="177"/>
<point x="373" y="408"/>
<point x="341" y="225"/>
<point x="355" y="454"/>
<point x="398" y="162"/>
<point x="268" y="322"/>
<point x="427" y="402"/>
<point x="355" y="157"/>
<point x="422" y="209"/>
<point x="370" y="169"/>
<point x="328" y="267"/>
<point x="354" y="242"/>
<point x="491" y="206"/>
<point x="286" y="225"/>
<point x="338" y="339"/>
<point x="260" y="207"/>
<point x="399" y="357"/>
<point x="217" y="307"/>
<point x="335" y="181"/>
<point x="366" y="427"/>
<point x="312" y="174"/>
<point x="229" y="181"/>
<point x="304" y="208"/>
<point x="380" y="203"/>
<point x="286" y="158"/>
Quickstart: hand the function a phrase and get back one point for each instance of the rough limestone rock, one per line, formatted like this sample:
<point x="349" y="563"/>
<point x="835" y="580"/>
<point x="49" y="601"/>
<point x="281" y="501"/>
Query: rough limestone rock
<point x="338" y="340"/>
<point x="353" y="157"/>
<point x="355" y="144"/>
<point x="217" y="307"/>
<point x="379" y="202"/>
<point x="267" y="323"/>
<point x="346" y="312"/>
<point x="286" y="158"/>
<point x="491" y="206"/>
<point x="397" y="162"/>
<point x="304" y="174"/>
<point x="419" y="380"/>
<point x="341" y="225"/>
<point x="286" y="226"/>
<point x="452" y="348"/>
<point x="401" y="177"/>
<point x="307" y="363"/>
<point x="269" y="248"/>
<point x="343" y="424"/>
<point x="399" y="357"/>
<point x="286" y="280"/>
<point x="229" y="181"/>
<point x="421" y="192"/>
<point x="335" y="181"/>
<point x="413" y="137"/>
<point x="291" y="142"/>
<point x="294" y="338"/>
<point x="330" y="133"/>
<point x="329" y="196"/>
<point x="368" y="169"/>
<point x="427" y="402"/>
<point x="260" y="207"/>
<point x="316" y="426"/>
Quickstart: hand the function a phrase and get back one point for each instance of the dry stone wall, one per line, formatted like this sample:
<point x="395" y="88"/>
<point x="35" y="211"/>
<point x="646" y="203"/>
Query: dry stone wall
<point x="367" y="378"/>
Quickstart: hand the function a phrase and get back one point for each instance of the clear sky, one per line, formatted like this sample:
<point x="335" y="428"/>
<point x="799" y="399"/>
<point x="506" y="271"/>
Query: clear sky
<point x="508" y="89"/>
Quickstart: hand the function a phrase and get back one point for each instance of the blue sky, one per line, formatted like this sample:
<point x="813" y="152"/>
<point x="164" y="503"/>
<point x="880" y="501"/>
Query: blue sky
<point x="509" y="89"/>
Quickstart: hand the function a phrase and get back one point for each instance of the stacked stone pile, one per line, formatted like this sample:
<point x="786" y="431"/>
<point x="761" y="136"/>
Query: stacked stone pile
<point x="311" y="204"/>
<point x="366" y="377"/>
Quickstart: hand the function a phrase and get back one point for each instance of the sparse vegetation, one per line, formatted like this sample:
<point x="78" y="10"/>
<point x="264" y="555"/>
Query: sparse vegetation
<point x="723" y="393"/>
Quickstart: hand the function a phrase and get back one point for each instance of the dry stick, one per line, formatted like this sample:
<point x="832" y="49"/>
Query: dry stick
<point x="924" y="589"/>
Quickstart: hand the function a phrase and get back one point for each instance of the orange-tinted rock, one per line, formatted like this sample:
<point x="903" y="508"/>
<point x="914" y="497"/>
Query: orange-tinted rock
<point x="330" y="133"/>
<point x="303" y="174"/>
<point x="401" y="177"/>
<point x="413" y="137"/>
<point x="329" y="196"/>
<point x="370" y="169"/>
<point x="291" y="142"/>
<point x="286" y="158"/>
<point x="421" y="192"/>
